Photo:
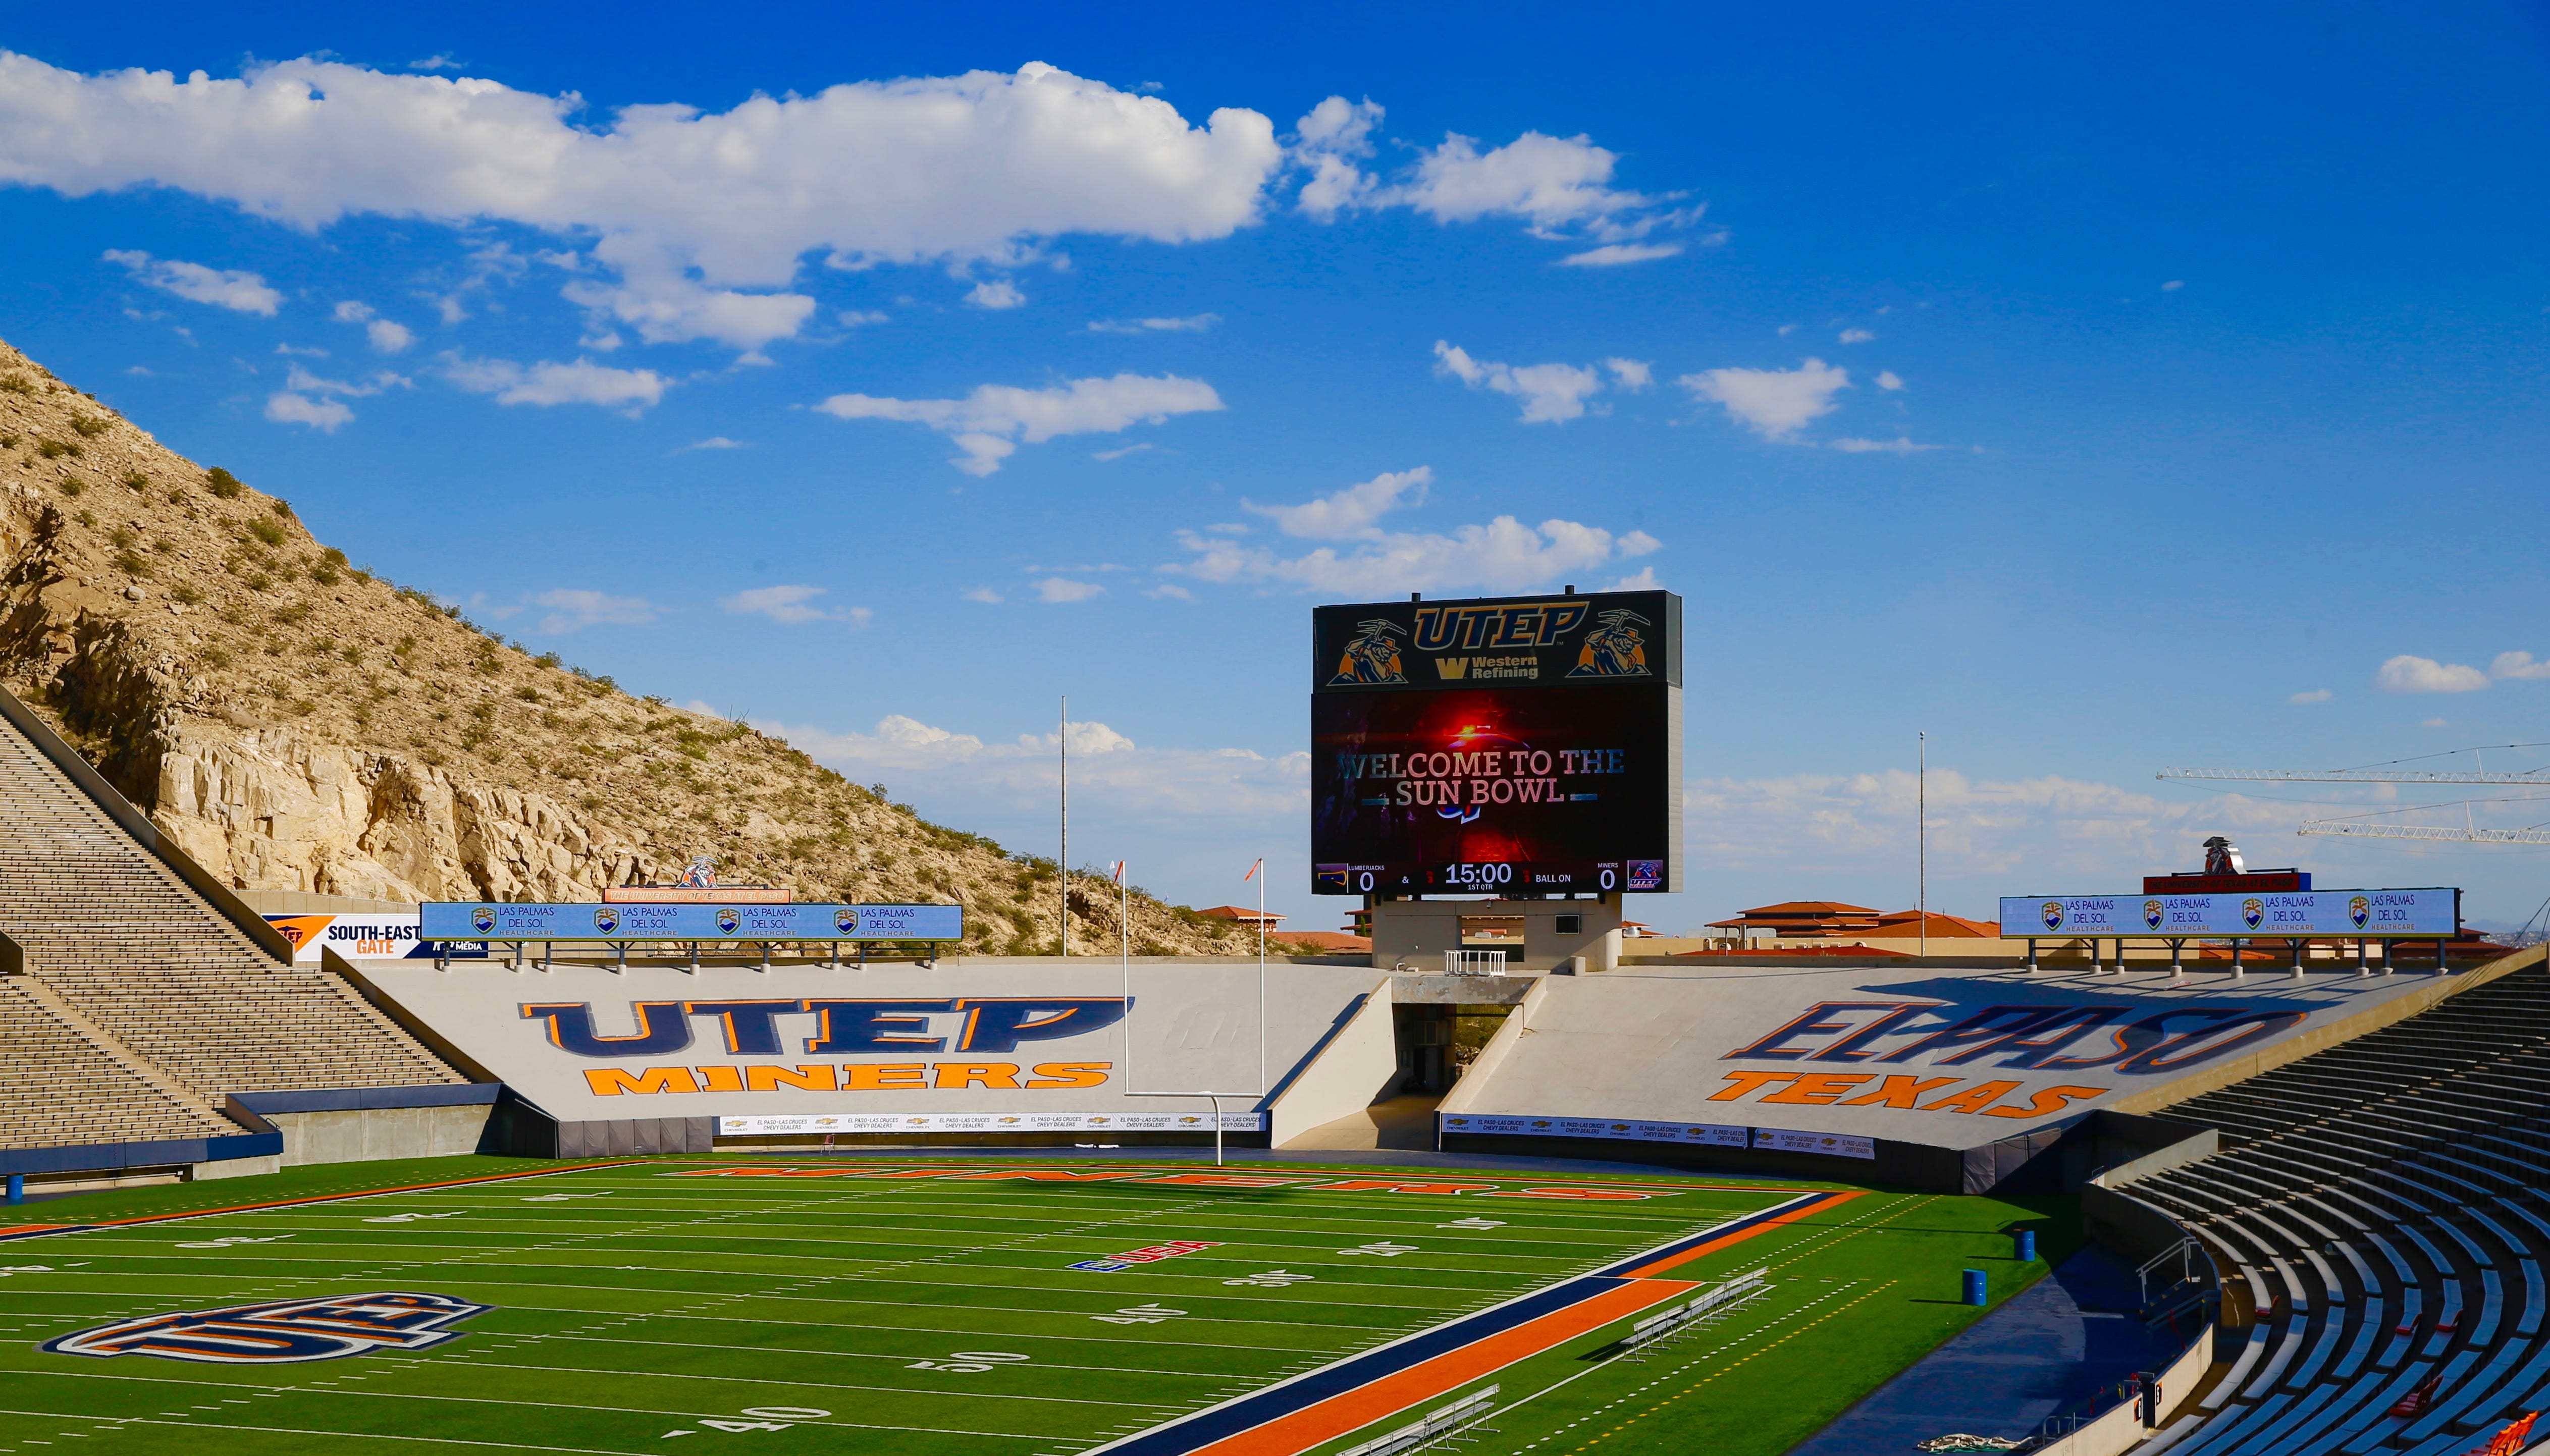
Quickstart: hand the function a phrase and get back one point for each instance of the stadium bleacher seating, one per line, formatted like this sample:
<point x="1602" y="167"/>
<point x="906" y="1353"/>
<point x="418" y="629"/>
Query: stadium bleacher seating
<point x="147" y="1003"/>
<point x="2384" y="1206"/>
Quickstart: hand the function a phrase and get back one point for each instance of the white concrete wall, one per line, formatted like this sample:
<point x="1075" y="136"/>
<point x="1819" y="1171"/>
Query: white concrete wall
<point x="380" y="1133"/>
<point x="1345" y="1077"/>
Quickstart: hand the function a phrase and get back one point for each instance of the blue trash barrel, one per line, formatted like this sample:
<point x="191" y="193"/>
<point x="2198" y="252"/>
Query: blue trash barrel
<point x="1975" y="1287"/>
<point x="2027" y="1247"/>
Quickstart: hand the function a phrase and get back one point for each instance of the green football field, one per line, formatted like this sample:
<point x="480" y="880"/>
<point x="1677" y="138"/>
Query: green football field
<point x="928" y="1305"/>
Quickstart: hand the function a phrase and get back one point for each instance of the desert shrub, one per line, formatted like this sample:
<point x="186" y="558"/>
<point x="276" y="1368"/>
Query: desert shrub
<point x="72" y="486"/>
<point x="266" y="532"/>
<point x="123" y="536"/>
<point x="353" y="653"/>
<point x="89" y="425"/>
<point x="16" y="384"/>
<point x="131" y="563"/>
<point x="54" y="449"/>
<point x="187" y="592"/>
<point x="284" y="508"/>
<point x="324" y="574"/>
<point x="222" y="483"/>
<point x="136" y="480"/>
<point x="256" y="581"/>
<point x="294" y="615"/>
<point x="216" y="658"/>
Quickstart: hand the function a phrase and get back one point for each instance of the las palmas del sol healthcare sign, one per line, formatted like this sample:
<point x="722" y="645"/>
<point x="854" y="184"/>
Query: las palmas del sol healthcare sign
<point x="485" y="919"/>
<point x="2344" y="913"/>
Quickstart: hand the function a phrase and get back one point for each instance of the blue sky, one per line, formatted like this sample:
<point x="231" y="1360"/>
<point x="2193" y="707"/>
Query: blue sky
<point x="2092" y="391"/>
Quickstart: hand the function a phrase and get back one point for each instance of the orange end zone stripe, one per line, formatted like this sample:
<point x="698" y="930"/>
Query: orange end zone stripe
<point x="1428" y="1174"/>
<point x="1358" y="1408"/>
<point x="1670" y="1261"/>
<point x="317" y="1198"/>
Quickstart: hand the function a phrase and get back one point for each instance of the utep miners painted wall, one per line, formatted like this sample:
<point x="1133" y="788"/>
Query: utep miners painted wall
<point x="966" y="1039"/>
<point x="1927" y="1058"/>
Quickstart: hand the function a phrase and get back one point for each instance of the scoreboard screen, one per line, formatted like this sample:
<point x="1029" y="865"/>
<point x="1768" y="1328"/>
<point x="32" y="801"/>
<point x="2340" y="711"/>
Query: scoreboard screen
<point x="1504" y="747"/>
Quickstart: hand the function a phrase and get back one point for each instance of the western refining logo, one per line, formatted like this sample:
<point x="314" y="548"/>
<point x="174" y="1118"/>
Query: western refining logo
<point x="284" y="1332"/>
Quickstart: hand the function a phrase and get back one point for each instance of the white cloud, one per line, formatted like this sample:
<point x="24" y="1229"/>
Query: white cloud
<point x="2406" y="674"/>
<point x="352" y="311"/>
<point x="1641" y="580"/>
<point x="1331" y="141"/>
<point x="138" y="371"/>
<point x="1559" y="185"/>
<point x="228" y="288"/>
<point x="718" y="443"/>
<point x="1841" y="827"/>
<point x="2518" y="665"/>
<point x="1773" y="403"/>
<point x="1889" y="379"/>
<point x="788" y="604"/>
<point x="934" y="764"/>
<point x="860" y="317"/>
<point x="1551" y="394"/>
<point x="1619" y="255"/>
<point x="1630" y="374"/>
<point x="572" y="610"/>
<point x="2173" y="285"/>
<point x="997" y="293"/>
<point x="1856" y="336"/>
<point x="689" y="205"/>
<point x="289" y="351"/>
<point x="1500" y="554"/>
<point x="1351" y="512"/>
<point x="1058" y="589"/>
<point x="547" y="383"/>
<point x="435" y="62"/>
<point x="323" y="415"/>
<point x="2434" y="722"/>
<point x="1120" y="452"/>
<point x="1191" y="324"/>
<point x="1172" y="591"/>
<point x="387" y="336"/>
<point x="303" y="380"/>
<point x="989" y="424"/>
<point x="2315" y="695"/>
<point x="985" y="595"/>
<point x="1898" y="445"/>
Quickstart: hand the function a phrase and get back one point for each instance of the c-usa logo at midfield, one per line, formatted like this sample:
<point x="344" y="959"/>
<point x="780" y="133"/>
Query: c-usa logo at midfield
<point x="284" y="1332"/>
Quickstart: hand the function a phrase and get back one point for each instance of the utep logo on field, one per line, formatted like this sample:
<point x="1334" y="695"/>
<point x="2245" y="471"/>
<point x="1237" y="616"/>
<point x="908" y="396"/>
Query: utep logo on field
<point x="483" y="917"/>
<point x="2358" y="911"/>
<point x="2154" y="913"/>
<point x="284" y="1332"/>
<point x="728" y="919"/>
<point x="607" y="921"/>
<point x="847" y="919"/>
<point x="2052" y="914"/>
<point x="2252" y="912"/>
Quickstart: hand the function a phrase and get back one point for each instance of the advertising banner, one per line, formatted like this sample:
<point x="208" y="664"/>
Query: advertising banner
<point x="990" y="1122"/>
<point x="1563" y="641"/>
<point x="369" y="936"/>
<point x="1704" y="1135"/>
<point x="2339" y="913"/>
<point x="1837" y="1145"/>
<point x="498" y="921"/>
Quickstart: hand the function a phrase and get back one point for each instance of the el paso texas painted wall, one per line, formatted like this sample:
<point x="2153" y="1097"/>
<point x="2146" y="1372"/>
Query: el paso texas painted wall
<point x="1929" y="1057"/>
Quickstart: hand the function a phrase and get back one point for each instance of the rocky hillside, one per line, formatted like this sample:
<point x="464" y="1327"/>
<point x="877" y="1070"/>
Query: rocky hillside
<point x="298" y="723"/>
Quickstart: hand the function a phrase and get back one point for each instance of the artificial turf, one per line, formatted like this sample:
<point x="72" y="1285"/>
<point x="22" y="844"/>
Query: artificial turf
<point x="641" y="1307"/>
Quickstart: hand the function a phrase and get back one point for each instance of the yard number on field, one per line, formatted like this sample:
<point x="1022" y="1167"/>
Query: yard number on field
<point x="1381" y="1249"/>
<point x="1271" y="1279"/>
<point x="765" y="1418"/>
<point x="1139" y="1315"/>
<point x="968" y="1361"/>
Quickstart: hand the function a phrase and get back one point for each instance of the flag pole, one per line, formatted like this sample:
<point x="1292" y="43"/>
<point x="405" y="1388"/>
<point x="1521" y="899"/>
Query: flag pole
<point x="1062" y="859"/>
<point x="1921" y="850"/>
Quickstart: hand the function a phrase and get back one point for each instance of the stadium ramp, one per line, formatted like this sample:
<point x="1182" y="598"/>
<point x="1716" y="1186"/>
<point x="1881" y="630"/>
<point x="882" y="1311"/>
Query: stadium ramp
<point x="151" y="1019"/>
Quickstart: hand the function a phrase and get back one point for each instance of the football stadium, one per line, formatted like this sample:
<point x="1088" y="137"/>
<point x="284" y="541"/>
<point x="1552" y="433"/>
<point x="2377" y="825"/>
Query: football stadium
<point x="693" y="1162"/>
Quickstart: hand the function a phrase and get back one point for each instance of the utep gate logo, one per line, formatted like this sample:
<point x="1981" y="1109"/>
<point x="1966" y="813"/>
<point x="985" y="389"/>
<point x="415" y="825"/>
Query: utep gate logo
<point x="284" y="1332"/>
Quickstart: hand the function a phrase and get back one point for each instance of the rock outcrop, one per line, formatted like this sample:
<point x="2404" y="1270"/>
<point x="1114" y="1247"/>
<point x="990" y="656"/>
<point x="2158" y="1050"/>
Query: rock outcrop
<point x="296" y="723"/>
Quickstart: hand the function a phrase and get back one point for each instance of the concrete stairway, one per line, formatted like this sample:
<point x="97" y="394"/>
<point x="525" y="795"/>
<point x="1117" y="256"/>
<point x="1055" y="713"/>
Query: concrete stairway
<point x="126" y="943"/>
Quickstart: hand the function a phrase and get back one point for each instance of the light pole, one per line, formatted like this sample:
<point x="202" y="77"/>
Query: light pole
<point x="1921" y="842"/>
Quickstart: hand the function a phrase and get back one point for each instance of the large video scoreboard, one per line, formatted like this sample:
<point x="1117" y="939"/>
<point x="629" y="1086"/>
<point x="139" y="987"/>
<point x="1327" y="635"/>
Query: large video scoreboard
<point x="1506" y="746"/>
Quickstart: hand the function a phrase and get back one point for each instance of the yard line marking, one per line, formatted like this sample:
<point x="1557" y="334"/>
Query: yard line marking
<point x="366" y="1435"/>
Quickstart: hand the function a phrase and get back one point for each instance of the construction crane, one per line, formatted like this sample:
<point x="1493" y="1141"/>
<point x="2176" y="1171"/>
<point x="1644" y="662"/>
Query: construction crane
<point x="2421" y="831"/>
<point x="2391" y="773"/>
<point x="2378" y="773"/>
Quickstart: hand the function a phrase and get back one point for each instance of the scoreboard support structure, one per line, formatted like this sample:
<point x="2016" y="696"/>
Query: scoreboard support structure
<point x="1556" y="933"/>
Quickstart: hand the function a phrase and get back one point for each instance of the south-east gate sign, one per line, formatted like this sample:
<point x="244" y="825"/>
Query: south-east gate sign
<point x="2371" y="913"/>
<point x="487" y="919"/>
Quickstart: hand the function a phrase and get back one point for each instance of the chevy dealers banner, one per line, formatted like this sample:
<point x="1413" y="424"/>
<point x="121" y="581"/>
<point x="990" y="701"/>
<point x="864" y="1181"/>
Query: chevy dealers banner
<point x="497" y="921"/>
<point x="2346" y="912"/>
